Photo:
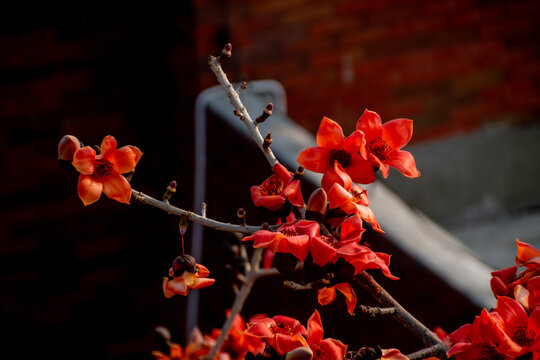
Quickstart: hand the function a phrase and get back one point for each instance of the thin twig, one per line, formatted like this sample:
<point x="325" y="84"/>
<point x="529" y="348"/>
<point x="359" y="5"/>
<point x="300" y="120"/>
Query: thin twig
<point x="374" y="311"/>
<point x="438" y="351"/>
<point x="215" y="65"/>
<point x="295" y="286"/>
<point x="408" y="321"/>
<point x="240" y="298"/>
<point x="203" y="220"/>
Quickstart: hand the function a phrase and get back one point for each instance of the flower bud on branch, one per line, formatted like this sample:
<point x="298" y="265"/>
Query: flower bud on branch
<point x="267" y="141"/>
<point x="171" y="189"/>
<point x="267" y="112"/>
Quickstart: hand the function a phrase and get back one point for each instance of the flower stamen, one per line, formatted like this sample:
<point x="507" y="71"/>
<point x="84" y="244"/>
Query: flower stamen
<point x="102" y="167"/>
<point x="272" y="186"/>
<point x="380" y="149"/>
<point x="341" y="156"/>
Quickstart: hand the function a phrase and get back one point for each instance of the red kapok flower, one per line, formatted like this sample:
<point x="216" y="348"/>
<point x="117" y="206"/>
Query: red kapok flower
<point x="332" y="146"/>
<point x="175" y="353"/>
<point x="280" y="332"/>
<point x="527" y="255"/>
<point x="327" y="349"/>
<point x="275" y="190"/>
<point x="349" y="197"/>
<point x="187" y="280"/>
<point x="327" y="295"/>
<point x="395" y="354"/>
<point x="238" y="343"/>
<point x="290" y="238"/>
<point x="103" y="173"/>
<point x="384" y="143"/>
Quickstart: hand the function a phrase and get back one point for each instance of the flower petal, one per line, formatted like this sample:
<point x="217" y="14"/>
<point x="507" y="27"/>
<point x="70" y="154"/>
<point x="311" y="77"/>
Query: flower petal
<point x="281" y="172"/>
<point x="315" y="159"/>
<point x="175" y="286"/>
<point x="397" y="132"/>
<point x="336" y="175"/>
<point x="116" y="187"/>
<point x="294" y="194"/>
<point x="83" y="160"/>
<point x="296" y="245"/>
<point x="326" y="295"/>
<point x="350" y="296"/>
<point x="333" y="349"/>
<point x="527" y="255"/>
<point x="330" y="134"/>
<point x="315" y="328"/>
<point x="370" y="124"/>
<point x="352" y="228"/>
<point x="125" y="159"/>
<point x="202" y="271"/>
<point x="108" y="145"/>
<point x="201" y="282"/>
<point x="271" y="202"/>
<point x="355" y="143"/>
<point x="360" y="170"/>
<point x="403" y="161"/>
<point x="89" y="189"/>
<point x="338" y="196"/>
<point x="321" y="251"/>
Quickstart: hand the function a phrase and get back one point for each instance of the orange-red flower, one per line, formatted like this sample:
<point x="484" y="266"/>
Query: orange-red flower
<point x="280" y="332"/>
<point x="327" y="349"/>
<point x="327" y="295"/>
<point x="527" y="255"/>
<point x="384" y="143"/>
<point x="103" y="172"/>
<point x="175" y="353"/>
<point x="505" y="333"/>
<point x="332" y="145"/>
<point x="395" y="354"/>
<point x="275" y="190"/>
<point x="290" y="238"/>
<point x="187" y="280"/>
<point x="349" y="197"/>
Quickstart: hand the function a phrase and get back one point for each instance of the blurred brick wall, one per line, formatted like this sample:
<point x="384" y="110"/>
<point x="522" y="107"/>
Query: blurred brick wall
<point x="449" y="65"/>
<point x="82" y="281"/>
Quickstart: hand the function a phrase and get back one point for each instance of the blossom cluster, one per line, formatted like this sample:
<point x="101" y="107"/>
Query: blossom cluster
<point x="512" y="330"/>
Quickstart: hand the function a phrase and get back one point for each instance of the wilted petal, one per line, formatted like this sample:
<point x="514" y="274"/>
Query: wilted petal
<point x="201" y="282"/>
<point x="350" y="296"/>
<point x="116" y="187"/>
<point x="326" y="295"/>
<point x="89" y="189"/>
<point x="174" y="286"/>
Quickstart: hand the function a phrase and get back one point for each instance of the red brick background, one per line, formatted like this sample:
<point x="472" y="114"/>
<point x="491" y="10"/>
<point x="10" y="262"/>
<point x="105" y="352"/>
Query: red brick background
<point x="82" y="281"/>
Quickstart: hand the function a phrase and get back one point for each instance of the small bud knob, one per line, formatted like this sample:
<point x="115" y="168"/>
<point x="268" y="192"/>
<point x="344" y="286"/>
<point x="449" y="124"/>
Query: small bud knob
<point x="267" y="141"/>
<point x="241" y="215"/>
<point x="171" y="189"/>
<point x="265" y="226"/>
<point x="316" y="206"/>
<point x="67" y="147"/>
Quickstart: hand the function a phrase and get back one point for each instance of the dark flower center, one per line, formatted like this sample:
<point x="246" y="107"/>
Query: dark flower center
<point x="490" y="353"/>
<point x="272" y="186"/>
<point x="523" y="336"/>
<point x="281" y="328"/>
<point x="102" y="167"/>
<point x="380" y="149"/>
<point x="329" y="240"/>
<point x="342" y="157"/>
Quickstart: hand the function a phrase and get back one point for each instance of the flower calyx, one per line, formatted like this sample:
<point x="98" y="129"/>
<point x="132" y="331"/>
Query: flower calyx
<point x="182" y="264"/>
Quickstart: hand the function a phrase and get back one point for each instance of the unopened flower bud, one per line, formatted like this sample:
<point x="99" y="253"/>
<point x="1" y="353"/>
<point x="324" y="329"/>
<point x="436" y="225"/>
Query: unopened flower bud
<point x="184" y="263"/>
<point x="285" y="263"/>
<point x="226" y="53"/>
<point x="67" y="147"/>
<point x="241" y="215"/>
<point x="267" y="112"/>
<point x="265" y="226"/>
<point x="267" y="141"/>
<point x="183" y="224"/>
<point x="316" y="206"/>
<point x="300" y="353"/>
<point x="171" y="189"/>
<point x="368" y="353"/>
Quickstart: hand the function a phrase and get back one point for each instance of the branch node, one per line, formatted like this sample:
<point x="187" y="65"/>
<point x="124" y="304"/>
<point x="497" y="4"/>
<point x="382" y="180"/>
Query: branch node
<point x="226" y="53"/>
<point x="243" y="86"/>
<point x="267" y="141"/>
<point x="375" y="311"/>
<point x="171" y="189"/>
<point x="241" y="215"/>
